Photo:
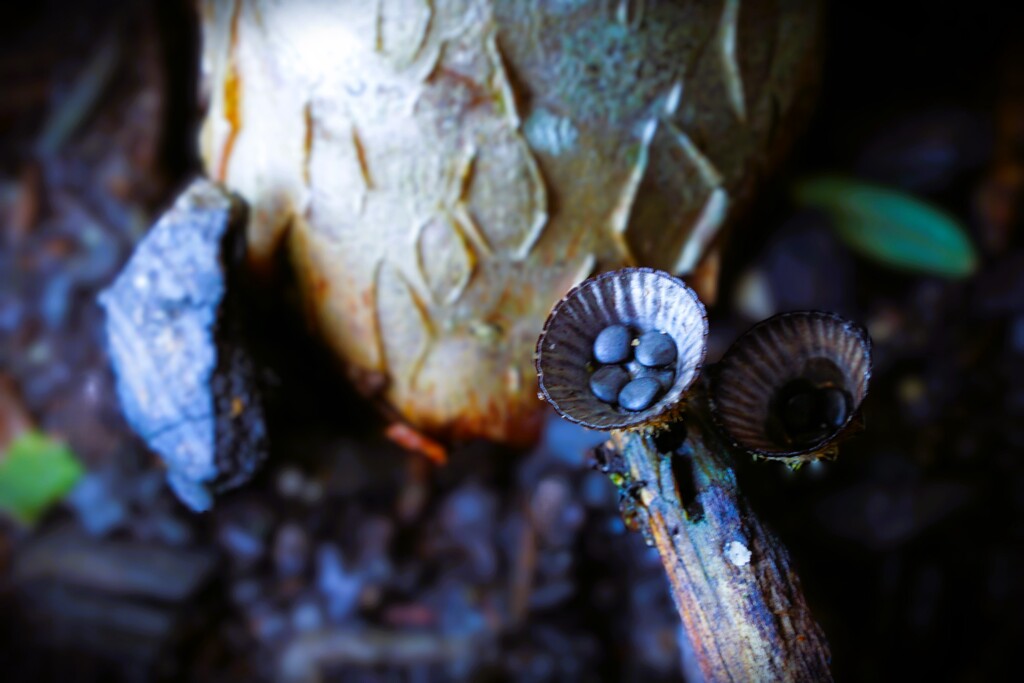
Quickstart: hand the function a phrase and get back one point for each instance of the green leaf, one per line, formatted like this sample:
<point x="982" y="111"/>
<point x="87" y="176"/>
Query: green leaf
<point x="890" y="226"/>
<point x="35" y="473"/>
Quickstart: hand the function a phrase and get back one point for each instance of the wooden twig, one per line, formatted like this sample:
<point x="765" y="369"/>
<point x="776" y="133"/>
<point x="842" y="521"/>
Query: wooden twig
<point x="740" y="601"/>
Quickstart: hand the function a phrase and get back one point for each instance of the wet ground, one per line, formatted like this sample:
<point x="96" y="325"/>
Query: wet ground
<point x="350" y="559"/>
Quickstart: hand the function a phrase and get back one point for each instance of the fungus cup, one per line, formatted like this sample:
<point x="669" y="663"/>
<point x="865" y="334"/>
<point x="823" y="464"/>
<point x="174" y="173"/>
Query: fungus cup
<point x="792" y="386"/>
<point x="642" y="299"/>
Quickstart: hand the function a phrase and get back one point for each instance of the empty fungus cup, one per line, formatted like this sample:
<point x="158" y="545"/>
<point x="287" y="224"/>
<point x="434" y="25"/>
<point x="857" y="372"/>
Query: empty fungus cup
<point x="642" y="299"/>
<point x="792" y="385"/>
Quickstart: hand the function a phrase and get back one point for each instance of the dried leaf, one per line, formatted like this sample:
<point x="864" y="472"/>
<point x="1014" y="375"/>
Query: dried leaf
<point x="891" y="227"/>
<point x="75" y="107"/>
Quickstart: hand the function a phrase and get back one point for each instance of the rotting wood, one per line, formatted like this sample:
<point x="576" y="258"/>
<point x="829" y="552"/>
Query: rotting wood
<point x="732" y="580"/>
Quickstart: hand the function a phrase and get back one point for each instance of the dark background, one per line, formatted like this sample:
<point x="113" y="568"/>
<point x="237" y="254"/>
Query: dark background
<point x="515" y="566"/>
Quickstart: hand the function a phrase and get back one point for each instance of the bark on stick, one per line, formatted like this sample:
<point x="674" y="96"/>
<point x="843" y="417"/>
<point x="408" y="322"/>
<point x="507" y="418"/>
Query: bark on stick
<point x="732" y="581"/>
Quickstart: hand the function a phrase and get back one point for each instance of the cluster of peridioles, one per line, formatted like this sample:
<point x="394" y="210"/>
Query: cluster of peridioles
<point x="623" y="349"/>
<point x="635" y="368"/>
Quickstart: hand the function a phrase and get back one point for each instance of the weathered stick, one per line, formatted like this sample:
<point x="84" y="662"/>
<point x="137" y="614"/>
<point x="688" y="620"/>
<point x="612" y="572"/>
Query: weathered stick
<point x="740" y="602"/>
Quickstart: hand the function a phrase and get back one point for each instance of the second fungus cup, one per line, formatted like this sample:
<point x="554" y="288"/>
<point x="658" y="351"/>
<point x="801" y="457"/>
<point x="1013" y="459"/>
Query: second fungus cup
<point x="792" y="385"/>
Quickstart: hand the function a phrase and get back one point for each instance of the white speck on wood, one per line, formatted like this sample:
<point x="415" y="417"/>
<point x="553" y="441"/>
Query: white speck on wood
<point x="737" y="553"/>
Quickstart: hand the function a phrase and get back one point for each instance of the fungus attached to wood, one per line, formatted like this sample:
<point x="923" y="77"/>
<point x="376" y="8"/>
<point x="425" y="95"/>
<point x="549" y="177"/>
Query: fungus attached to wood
<point x="787" y="389"/>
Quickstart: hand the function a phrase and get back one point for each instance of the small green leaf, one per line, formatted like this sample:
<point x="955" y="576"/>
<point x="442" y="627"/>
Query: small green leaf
<point x="35" y="473"/>
<point x="891" y="227"/>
